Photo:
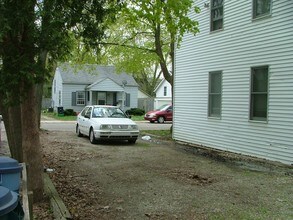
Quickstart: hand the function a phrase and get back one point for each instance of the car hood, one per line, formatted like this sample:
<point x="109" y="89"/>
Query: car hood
<point x="153" y="112"/>
<point x="114" y="121"/>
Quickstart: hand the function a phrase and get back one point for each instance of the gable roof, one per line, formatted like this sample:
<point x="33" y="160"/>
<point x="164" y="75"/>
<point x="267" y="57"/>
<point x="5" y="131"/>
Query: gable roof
<point x="160" y="84"/>
<point x="91" y="73"/>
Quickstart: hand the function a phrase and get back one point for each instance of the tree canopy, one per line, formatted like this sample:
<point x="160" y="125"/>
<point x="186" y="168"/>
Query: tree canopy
<point x="152" y="29"/>
<point x="35" y="34"/>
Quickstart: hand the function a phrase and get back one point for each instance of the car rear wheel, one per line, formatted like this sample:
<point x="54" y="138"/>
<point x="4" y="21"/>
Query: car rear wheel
<point x="161" y="119"/>
<point x="132" y="141"/>
<point x="78" y="131"/>
<point x="92" y="137"/>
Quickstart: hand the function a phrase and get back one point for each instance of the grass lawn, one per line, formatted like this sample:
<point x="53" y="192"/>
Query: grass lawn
<point x="61" y="118"/>
<point x="164" y="134"/>
<point x="137" y="118"/>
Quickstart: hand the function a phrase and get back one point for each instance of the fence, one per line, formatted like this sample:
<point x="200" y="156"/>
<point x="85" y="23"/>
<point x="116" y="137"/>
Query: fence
<point x="147" y="104"/>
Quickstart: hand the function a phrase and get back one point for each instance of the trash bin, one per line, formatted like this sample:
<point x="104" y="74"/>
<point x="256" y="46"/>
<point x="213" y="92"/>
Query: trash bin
<point x="8" y="203"/>
<point x="60" y="111"/>
<point x="10" y="171"/>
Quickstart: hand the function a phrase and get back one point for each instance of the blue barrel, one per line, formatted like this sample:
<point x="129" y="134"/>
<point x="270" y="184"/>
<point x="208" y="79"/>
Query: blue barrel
<point x="10" y="171"/>
<point x="8" y="202"/>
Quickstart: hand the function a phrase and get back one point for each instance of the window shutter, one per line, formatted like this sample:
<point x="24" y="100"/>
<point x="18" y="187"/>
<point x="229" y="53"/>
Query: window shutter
<point x="73" y="99"/>
<point x="128" y="99"/>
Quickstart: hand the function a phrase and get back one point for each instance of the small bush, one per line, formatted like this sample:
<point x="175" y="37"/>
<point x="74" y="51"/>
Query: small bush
<point x="135" y="111"/>
<point x="69" y="112"/>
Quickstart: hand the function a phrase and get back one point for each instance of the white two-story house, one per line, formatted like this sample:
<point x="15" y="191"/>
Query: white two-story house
<point x="233" y="82"/>
<point x="163" y="94"/>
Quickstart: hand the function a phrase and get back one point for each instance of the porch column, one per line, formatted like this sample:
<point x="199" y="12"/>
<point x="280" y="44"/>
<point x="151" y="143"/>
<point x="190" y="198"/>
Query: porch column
<point x="91" y="97"/>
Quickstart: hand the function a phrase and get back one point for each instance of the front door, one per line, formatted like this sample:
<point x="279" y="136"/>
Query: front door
<point x="102" y="98"/>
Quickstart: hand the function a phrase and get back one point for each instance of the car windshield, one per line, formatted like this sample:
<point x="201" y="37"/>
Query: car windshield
<point x="108" y="112"/>
<point x="163" y="107"/>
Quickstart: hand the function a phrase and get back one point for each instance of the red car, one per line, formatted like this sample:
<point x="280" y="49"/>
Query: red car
<point x="164" y="113"/>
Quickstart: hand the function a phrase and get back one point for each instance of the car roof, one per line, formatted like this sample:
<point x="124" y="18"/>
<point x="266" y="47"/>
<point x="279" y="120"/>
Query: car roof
<point x="102" y="106"/>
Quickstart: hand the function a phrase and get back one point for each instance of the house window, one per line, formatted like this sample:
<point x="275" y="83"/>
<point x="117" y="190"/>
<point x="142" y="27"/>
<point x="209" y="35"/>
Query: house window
<point x="215" y="94"/>
<point x="217" y="14"/>
<point x="165" y="90"/>
<point x="102" y="96"/>
<point x="259" y="93"/>
<point x="80" y="98"/>
<point x="261" y="8"/>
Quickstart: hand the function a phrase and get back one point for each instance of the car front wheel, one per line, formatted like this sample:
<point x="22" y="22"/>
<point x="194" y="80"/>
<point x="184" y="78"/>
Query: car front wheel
<point x="92" y="137"/>
<point x="161" y="119"/>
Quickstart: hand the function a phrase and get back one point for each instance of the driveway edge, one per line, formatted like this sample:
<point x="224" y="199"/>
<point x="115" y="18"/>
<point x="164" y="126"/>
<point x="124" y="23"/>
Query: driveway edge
<point x="60" y="211"/>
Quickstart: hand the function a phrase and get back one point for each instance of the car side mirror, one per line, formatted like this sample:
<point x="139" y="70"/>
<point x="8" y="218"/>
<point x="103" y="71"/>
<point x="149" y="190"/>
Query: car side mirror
<point x="87" y="116"/>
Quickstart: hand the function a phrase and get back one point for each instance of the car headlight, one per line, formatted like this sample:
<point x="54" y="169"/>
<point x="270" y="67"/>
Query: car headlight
<point x="105" y="127"/>
<point x="152" y="115"/>
<point x="134" y="127"/>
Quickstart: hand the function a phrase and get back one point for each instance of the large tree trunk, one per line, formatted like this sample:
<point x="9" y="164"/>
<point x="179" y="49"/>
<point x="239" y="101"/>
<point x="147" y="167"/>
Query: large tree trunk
<point x="31" y="142"/>
<point x="12" y="121"/>
<point x="160" y="54"/>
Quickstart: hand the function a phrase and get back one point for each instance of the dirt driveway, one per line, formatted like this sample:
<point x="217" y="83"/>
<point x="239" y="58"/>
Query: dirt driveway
<point x="163" y="180"/>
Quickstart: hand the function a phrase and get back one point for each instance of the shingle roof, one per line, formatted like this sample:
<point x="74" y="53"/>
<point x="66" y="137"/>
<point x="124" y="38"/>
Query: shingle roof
<point x="91" y="73"/>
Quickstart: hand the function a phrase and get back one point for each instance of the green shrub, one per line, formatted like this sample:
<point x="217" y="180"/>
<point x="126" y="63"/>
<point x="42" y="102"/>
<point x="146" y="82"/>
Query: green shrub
<point x="135" y="111"/>
<point x="69" y="112"/>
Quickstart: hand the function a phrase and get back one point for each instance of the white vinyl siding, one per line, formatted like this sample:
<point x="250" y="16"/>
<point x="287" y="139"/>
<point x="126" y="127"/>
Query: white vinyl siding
<point x="243" y="44"/>
<point x="68" y="89"/>
<point x="161" y="99"/>
<point x="107" y="85"/>
<point x="132" y="97"/>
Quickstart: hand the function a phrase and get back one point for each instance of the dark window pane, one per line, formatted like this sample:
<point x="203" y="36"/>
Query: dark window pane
<point x="215" y="105"/>
<point x="259" y="106"/>
<point x="215" y="82"/>
<point x="259" y="93"/>
<point x="217" y="13"/>
<point x="216" y="3"/>
<point x="215" y="94"/>
<point x="262" y="7"/>
<point x="217" y="25"/>
<point x="260" y="80"/>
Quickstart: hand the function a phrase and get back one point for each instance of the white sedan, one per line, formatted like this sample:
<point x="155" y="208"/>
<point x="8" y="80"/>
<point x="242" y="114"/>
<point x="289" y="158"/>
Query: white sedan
<point x="101" y="122"/>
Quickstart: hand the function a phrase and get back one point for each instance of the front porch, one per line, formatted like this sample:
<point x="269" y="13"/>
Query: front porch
<point x="116" y="98"/>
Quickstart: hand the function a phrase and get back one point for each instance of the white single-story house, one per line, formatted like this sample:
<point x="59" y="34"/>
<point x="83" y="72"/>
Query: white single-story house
<point x="233" y="81"/>
<point x="163" y="94"/>
<point x="75" y="86"/>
